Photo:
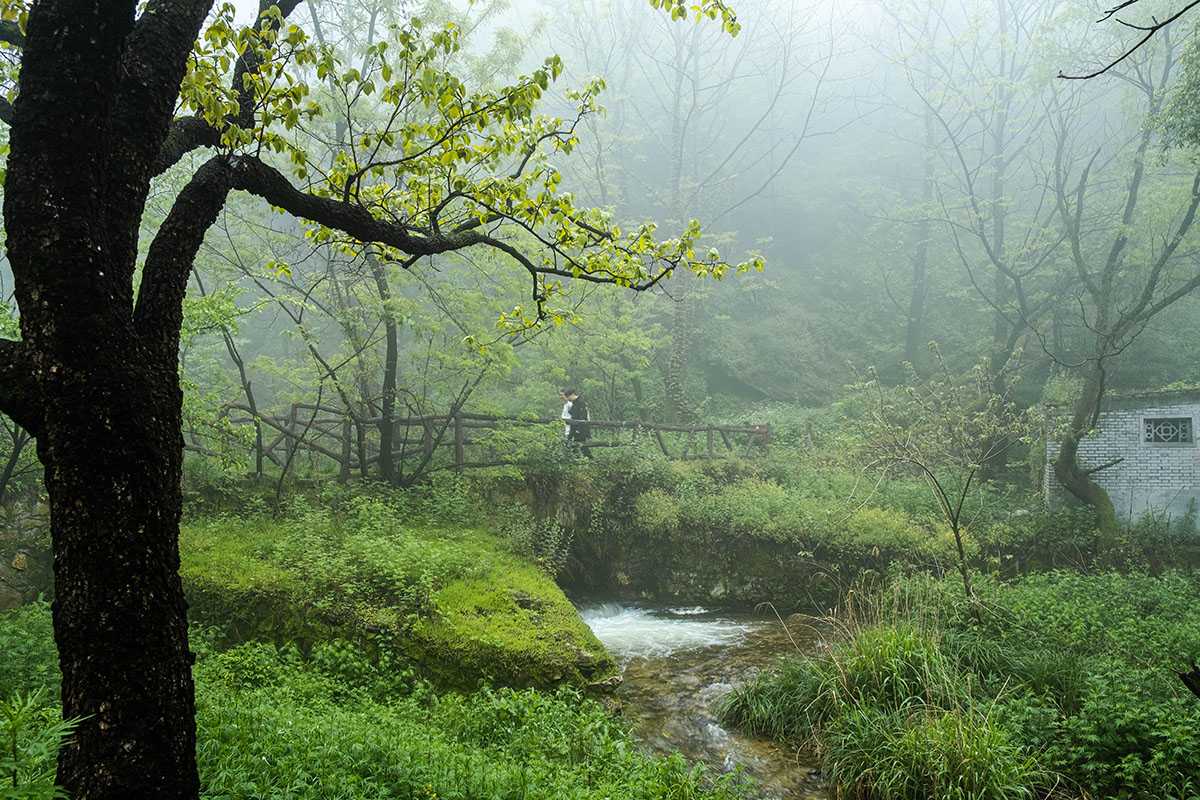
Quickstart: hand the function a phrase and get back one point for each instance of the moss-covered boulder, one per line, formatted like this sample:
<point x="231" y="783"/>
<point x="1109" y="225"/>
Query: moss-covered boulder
<point x="458" y="604"/>
<point x="517" y="628"/>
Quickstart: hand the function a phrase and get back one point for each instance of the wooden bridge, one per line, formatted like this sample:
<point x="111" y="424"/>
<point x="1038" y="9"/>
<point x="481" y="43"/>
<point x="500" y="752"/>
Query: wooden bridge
<point x="324" y="436"/>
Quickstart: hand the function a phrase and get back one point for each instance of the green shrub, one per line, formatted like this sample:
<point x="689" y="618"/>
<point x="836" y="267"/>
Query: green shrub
<point x="29" y="661"/>
<point x="545" y="542"/>
<point x="1132" y="734"/>
<point x="31" y="731"/>
<point x="656" y="511"/>
<point x="783" y="703"/>
<point x="887" y="667"/>
<point x="893" y="667"/>
<point x="503" y="745"/>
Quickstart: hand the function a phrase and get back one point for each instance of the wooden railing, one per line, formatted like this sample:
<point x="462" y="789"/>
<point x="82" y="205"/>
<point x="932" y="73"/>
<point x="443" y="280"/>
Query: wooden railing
<point x="352" y="444"/>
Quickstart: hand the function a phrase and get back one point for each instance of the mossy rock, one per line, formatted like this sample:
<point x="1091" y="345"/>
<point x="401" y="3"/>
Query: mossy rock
<point x="478" y="613"/>
<point x="517" y="631"/>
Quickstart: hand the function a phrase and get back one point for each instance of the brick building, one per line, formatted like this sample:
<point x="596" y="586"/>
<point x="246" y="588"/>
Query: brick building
<point x="1145" y="446"/>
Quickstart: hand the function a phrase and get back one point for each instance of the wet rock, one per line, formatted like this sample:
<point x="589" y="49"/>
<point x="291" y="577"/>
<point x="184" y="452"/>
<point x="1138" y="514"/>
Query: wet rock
<point x="9" y="597"/>
<point x="23" y="577"/>
<point x="714" y="691"/>
<point x="586" y="661"/>
<point x="608" y="684"/>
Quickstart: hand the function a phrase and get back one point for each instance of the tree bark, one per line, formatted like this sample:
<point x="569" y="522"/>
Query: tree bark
<point x="109" y="406"/>
<point x="113" y="455"/>
<point x="387" y="425"/>
<point x="1066" y="464"/>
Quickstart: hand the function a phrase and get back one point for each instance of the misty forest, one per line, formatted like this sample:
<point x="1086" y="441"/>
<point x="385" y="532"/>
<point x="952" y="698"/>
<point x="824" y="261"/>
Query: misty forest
<point x="600" y="400"/>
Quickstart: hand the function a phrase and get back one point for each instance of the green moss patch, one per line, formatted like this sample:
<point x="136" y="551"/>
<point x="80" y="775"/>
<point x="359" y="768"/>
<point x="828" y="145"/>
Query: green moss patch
<point x="516" y="628"/>
<point x="458" y="604"/>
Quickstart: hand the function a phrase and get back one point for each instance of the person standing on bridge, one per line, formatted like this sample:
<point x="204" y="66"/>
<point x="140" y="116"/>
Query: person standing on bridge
<point x="565" y="394"/>
<point x="579" y="428"/>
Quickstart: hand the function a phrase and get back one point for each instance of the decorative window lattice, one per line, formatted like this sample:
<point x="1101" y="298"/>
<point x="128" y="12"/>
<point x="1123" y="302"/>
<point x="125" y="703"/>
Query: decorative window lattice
<point x="1168" y="430"/>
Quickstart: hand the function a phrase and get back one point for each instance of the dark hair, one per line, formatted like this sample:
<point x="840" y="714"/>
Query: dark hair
<point x="569" y="391"/>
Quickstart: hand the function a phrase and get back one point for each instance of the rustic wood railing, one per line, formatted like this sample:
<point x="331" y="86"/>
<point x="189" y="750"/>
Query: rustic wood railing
<point x="352" y="443"/>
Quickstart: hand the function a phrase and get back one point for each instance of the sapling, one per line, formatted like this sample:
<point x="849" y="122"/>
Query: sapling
<point x="947" y="427"/>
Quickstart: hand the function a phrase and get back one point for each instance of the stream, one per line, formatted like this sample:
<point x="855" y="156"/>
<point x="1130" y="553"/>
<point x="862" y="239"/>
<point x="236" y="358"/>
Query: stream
<point x="678" y="662"/>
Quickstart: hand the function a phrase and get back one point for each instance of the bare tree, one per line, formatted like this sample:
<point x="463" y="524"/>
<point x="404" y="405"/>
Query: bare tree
<point x="1129" y="260"/>
<point x="671" y="143"/>
<point x="946" y="428"/>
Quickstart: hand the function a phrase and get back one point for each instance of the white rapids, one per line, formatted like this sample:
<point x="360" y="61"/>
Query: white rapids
<point x="630" y="632"/>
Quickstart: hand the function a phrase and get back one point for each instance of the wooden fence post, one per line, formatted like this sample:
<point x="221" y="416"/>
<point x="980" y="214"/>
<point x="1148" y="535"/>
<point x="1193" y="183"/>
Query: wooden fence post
<point x="459" y="458"/>
<point x="427" y="438"/>
<point x="709" y="436"/>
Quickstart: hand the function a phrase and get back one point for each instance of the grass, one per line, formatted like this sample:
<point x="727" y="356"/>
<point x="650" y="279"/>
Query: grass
<point x="927" y="753"/>
<point x="1065" y="689"/>
<point x="796" y="531"/>
<point x="342" y="723"/>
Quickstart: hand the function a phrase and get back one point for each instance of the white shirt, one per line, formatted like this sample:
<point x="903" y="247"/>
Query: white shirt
<point x="566" y="415"/>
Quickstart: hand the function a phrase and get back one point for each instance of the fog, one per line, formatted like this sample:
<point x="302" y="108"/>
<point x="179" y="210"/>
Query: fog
<point x="912" y="173"/>
<point x="909" y="171"/>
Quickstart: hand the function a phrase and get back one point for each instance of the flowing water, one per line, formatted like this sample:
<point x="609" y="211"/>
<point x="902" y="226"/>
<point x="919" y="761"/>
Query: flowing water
<point x="678" y="662"/>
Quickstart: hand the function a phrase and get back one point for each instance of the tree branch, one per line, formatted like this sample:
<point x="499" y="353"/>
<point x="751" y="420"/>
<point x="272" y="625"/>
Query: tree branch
<point x="10" y="33"/>
<point x="259" y="178"/>
<point x="248" y="63"/>
<point x="256" y="177"/>
<point x="159" y="312"/>
<point x="152" y="67"/>
<point x="1150" y="31"/>
<point x="190" y="133"/>
<point x="185" y="135"/>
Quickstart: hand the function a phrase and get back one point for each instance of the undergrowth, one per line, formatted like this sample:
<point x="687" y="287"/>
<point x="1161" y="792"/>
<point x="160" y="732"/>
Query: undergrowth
<point x="339" y="724"/>
<point x="1066" y="688"/>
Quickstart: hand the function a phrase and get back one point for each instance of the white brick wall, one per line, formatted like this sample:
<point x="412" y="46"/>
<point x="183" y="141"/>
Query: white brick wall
<point x="1152" y="476"/>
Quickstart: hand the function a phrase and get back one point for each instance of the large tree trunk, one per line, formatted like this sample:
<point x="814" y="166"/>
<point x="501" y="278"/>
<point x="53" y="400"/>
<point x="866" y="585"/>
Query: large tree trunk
<point x="113" y="454"/>
<point x="100" y="382"/>
<point x="1066" y="465"/>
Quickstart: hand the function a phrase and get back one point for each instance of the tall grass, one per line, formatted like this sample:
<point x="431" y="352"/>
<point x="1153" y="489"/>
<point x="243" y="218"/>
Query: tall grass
<point x="921" y="754"/>
<point x="1064" y="684"/>
<point x="891" y="717"/>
